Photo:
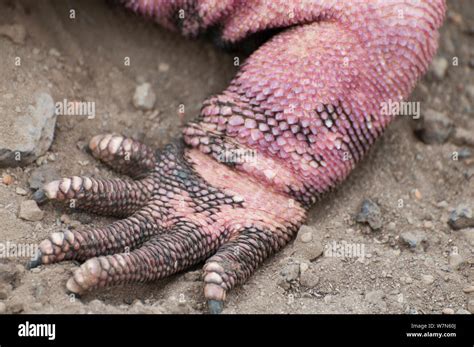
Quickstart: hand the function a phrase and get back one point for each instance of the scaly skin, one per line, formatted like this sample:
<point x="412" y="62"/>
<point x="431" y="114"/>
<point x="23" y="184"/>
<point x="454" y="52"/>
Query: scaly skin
<point x="306" y="106"/>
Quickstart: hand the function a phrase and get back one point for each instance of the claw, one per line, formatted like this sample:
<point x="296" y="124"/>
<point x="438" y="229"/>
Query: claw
<point x="215" y="306"/>
<point x="35" y="261"/>
<point x="40" y="196"/>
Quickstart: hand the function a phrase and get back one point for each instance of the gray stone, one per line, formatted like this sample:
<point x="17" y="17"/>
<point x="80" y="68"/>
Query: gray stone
<point x="461" y="217"/>
<point x="370" y="213"/>
<point x="413" y="239"/>
<point x="434" y="128"/>
<point x="144" y="97"/>
<point x="3" y="308"/>
<point x="25" y="137"/>
<point x="30" y="211"/>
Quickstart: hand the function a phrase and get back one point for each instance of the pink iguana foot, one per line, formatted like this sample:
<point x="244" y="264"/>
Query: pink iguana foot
<point x="301" y="112"/>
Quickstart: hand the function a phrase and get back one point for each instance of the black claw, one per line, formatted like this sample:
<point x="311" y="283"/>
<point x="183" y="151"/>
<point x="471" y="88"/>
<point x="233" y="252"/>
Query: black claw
<point x="40" y="196"/>
<point x="34" y="262"/>
<point x="215" y="306"/>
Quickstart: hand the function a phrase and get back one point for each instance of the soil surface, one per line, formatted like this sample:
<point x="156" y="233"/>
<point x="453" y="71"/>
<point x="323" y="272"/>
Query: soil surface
<point x="414" y="184"/>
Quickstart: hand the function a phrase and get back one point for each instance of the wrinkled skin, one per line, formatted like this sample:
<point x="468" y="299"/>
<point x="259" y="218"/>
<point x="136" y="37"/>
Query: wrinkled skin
<point x="303" y="110"/>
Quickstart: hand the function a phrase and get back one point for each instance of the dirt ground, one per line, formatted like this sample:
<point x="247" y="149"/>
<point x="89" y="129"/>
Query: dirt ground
<point x="83" y="59"/>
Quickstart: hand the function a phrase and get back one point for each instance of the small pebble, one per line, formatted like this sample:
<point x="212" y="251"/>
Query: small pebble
<point x="442" y="204"/>
<point x="456" y="260"/>
<point x="20" y="191"/>
<point x="144" y="97"/>
<point x="428" y="224"/>
<point x="468" y="290"/>
<point x="30" y="211"/>
<point x="427" y="279"/>
<point x="413" y="239"/>
<point x="448" y="310"/>
<point x="439" y="67"/>
<point x="416" y="194"/>
<point x="3" y="308"/>
<point x="370" y="213"/>
<point x="461" y="217"/>
<point x="462" y="311"/>
<point x="163" y="67"/>
<point x="7" y="179"/>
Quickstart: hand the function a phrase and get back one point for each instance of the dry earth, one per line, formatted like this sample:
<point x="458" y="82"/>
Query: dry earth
<point x="416" y="185"/>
